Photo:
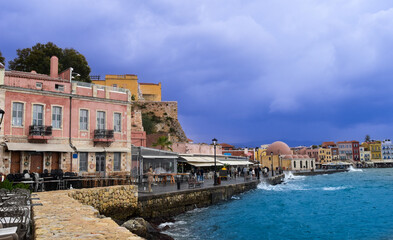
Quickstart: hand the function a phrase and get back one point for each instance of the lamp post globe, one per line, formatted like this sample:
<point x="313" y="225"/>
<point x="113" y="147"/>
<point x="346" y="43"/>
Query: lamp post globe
<point x="214" y="140"/>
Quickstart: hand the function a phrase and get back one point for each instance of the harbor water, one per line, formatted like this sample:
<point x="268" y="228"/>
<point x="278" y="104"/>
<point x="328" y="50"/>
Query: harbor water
<point x="352" y="205"/>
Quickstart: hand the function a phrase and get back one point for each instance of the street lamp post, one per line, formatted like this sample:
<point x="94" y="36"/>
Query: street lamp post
<point x="215" y="166"/>
<point x="271" y="154"/>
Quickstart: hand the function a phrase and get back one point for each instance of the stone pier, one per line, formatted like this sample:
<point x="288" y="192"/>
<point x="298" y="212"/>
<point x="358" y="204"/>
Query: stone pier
<point x="63" y="217"/>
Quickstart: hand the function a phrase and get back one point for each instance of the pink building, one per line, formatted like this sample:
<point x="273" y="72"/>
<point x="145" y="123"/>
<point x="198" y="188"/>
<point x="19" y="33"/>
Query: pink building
<point x="52" y="123"/>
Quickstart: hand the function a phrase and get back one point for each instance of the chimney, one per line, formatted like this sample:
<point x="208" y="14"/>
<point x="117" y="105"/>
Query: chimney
<point x="54" y="67"/>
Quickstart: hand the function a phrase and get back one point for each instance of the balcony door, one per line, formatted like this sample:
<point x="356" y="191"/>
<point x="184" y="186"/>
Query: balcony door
<point x="38" y="115"/>
<point x="101" y="120"/>
<point x="100" y="163"/>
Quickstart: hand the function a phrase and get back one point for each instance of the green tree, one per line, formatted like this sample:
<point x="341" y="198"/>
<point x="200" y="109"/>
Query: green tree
<point x="163" y="142"/>
<point x="38" y="58"/>
<point x="367" y="138"/>
<point x="2" y="59"/>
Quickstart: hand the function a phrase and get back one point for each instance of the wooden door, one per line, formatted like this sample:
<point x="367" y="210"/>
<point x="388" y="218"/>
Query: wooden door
<point x="37" y="163"/>
<point x="55" y="161"/>
<point x="15" y="162"/>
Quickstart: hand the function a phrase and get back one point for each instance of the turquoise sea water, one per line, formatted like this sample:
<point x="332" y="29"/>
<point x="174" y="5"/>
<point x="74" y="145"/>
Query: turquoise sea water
<point x="352" y="205"/>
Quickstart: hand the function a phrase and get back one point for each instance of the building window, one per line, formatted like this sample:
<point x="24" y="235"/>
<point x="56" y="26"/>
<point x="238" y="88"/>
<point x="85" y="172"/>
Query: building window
<point x="56" y="117"/>
<point x="38" y="114"/>
<point x="301" y="164"/>
<point x="114" y="85"/>
<point x="101" y="120"/>
<point x="17" y="114"/>
<point x="117" y="122"/>
<point x="38" y="85"/>
<point x="59" y="87"/>
<point x="83" y="162"/>
<point x="294" y="164"/>
<point x="83" y="116"/>
<point x="116" y="162"/>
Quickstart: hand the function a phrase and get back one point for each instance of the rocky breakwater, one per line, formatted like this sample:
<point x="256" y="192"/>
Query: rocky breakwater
<point x="117" y="202"/>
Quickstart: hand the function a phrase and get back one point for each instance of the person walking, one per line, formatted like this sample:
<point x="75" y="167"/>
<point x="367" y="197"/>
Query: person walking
<point x="150" y="178"/>
<point x="201" y="174"/>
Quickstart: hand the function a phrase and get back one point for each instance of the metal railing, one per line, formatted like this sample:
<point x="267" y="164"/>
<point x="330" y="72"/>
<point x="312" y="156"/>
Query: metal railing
<point x="103" y="134"/>
<point x="40" y="130"/>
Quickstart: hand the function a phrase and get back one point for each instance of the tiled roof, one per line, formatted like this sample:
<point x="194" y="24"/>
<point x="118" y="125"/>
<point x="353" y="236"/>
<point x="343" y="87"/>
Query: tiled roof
<point x="33" y="76"/>
<point x="226" y="145"/>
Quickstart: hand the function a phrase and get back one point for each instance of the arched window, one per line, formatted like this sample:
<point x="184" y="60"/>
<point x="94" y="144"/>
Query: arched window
<point x="294" y="164"/>
<point x="301" y="164"/>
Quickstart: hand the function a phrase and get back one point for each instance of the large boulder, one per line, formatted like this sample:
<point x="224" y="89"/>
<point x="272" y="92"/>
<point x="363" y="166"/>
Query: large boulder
<point x="140" y="227"/>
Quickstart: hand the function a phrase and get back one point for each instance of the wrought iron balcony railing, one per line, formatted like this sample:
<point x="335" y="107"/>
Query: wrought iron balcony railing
<point x="40" y="130"/>
<point x="103" y="134"/>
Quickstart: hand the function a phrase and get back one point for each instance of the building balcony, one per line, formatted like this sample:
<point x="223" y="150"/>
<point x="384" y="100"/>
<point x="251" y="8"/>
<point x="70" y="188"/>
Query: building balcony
<point x="103" y="135"/>
<point x="40" y="132"/>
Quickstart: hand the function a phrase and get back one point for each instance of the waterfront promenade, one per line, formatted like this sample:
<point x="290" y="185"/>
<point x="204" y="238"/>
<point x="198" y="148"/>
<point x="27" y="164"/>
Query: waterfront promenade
<point x="163" y="188"/>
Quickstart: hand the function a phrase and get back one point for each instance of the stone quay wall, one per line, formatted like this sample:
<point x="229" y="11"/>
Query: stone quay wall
<point x="174" y="203"/>
<point x="118" y="202"/>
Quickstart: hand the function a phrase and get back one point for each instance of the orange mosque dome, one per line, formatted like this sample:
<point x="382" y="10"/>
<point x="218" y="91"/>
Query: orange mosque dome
<point x="278" y="148"/>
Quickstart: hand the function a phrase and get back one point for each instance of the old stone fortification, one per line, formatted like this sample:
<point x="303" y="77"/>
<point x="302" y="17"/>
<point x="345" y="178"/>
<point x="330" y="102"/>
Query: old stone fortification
<point x="118" y="202"/>
<point x="165" y="118"/>
<point x="172" y="204"/>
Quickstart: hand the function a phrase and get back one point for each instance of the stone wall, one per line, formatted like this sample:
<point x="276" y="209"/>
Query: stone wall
<point x="167" y="113"/>
<point x="118" y="202"/>
<point x="196" y="148"/>
<point x="172" y="204"/>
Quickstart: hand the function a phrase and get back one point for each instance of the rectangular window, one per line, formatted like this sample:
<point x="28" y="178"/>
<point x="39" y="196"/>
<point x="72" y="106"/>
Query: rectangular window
<point x="38" y="85"/>
<point x="101" y="120"/>
<point x="116" y="162"/>
<point x="17" y="114"/>
<point x="38" y="115"/>
<point x="59" y="87"/>
<point x="56" y="117"/>
<point x="83" y="116"/>
<point x="83" y="162"/>
<point x="117" y="122"/>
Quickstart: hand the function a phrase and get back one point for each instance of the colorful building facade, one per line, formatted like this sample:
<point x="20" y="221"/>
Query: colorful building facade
<point x="139" y="91"/>
<point x="387" y="150"/>
<point x="53" y="123"/>
<point x="348" y="150"/>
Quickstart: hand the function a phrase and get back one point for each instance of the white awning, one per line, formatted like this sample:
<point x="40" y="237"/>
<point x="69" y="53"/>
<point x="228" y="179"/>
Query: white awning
<point x="236" y="163"/>
<point x="39" y="147"/>
<point x="89" y="149"/>
<point x="201" y="161"/>
<point x="119" y="149"/>
<point x="160" y="157"/>
<point x="204" y="164"/>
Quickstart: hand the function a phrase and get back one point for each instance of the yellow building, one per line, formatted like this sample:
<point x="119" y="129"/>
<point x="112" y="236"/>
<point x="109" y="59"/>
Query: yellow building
<point x="139" y="91"/>
<point x="325" y="155"/>
<point x="375" y="149"/>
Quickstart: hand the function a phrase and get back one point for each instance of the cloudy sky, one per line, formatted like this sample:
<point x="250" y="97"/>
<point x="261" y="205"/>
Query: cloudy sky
<point x="245" y="72"/>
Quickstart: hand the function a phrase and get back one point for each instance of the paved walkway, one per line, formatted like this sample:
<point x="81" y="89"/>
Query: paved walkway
<point x="62" y="217"/>
<point x="161" y="188"/>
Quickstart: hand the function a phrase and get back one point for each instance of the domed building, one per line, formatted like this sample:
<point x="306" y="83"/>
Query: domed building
<point x="280" y="156"/>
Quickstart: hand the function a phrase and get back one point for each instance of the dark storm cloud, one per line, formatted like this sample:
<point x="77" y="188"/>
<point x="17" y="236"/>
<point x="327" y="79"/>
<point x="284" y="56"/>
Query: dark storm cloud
<point x="242" y="71"/>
